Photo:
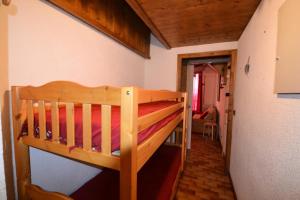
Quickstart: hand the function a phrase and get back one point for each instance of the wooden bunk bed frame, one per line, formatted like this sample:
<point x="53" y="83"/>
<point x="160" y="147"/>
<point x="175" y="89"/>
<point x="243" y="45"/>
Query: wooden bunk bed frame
<point x="132" y="156"/>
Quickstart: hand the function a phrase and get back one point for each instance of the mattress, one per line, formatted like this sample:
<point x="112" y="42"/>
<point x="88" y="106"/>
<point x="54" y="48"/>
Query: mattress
<point x="143" y="109"/>
<point x="155" y="179"/>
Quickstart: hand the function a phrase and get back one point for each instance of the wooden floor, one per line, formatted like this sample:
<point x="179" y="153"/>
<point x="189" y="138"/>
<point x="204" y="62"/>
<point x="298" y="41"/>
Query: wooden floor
<point x="203" y="177"/>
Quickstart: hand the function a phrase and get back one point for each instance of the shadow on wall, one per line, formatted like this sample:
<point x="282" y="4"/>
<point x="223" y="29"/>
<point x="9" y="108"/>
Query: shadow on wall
<point x="5" y="12"/>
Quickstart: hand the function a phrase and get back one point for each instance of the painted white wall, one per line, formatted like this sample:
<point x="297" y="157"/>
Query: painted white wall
<point x="210" y="80"/>
<point x="3" y="89"/>
<point x="265" y="160"/>
<point x="2" y="175"/>
<point x="46" y="44"/>
<point x="161" y="69"/>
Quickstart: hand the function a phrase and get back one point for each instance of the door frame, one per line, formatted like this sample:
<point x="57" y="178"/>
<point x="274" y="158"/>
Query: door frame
<point x="233" y="55"/>
<point x="4" y="105"/>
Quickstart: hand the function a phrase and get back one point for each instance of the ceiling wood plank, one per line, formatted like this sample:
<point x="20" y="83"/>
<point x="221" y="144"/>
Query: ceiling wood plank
<point x="114" y="18"/>
<point x="194" y="22"/>
<point x="141" y="13"/>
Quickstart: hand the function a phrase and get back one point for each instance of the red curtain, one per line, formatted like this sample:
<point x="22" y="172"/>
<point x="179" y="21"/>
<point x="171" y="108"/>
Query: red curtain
<point x="197" y="93"/>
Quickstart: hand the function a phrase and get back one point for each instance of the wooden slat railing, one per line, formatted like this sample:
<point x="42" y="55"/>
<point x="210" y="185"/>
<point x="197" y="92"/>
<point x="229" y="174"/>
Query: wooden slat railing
<point x="148" y="147"/>
<point x="70" y="94"/>
<point x="55" y="121"/>
<point x="42" y="120"/>
<point x="70" y="125"/>
<point x="146" y="96"/>
<point x="63" y="91"/>
<point x="106" y="129"/>
<point x="87" y="126"/>
<point x="96" y="158"/>
<point x="30" y="119"/>
<point x="154" y="117"/>
<point x="133" y="156"/>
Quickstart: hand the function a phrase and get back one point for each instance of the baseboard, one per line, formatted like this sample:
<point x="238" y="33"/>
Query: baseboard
<point x="227" y="172"/>
<point x="234" y="193"/>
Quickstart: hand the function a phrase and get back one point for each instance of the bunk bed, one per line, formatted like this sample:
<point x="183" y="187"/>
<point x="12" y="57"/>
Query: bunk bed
<point x="120" y="129"/>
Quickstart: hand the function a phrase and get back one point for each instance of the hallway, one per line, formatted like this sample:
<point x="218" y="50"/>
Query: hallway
<point x="203" y="176"/>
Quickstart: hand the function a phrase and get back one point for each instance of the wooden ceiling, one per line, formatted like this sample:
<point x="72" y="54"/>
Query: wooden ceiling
<point x="190" y="22"/>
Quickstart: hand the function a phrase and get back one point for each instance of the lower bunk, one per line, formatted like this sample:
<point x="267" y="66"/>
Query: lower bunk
<point x="157" y="180"/>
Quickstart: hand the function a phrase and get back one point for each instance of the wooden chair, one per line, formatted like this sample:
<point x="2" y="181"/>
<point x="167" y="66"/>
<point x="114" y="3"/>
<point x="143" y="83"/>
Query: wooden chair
<point x="198" y="122"/>
<point x="211" y="123"/>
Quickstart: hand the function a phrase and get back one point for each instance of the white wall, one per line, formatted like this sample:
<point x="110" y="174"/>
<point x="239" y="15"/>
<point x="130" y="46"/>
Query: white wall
<point x="210" y="80"/>
<point x="46" y="44"/>
<point x="265" y="161"/>
<point x="161" y="69"/>
<point x="3" y="89"/>
<point x="2" y="175"/>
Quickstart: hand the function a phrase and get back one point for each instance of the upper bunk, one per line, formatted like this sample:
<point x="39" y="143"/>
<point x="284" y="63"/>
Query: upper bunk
<point x="92" y="124"/>
<point x="116" y="128"/>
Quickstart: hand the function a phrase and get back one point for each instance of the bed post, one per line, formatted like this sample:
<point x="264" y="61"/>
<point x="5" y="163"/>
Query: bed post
<point x="184" y="129"/>
<point x="21" y="150"/>
<point x="128" y="146"/>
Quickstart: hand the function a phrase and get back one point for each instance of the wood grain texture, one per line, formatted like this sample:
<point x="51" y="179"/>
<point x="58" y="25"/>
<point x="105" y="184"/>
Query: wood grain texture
<point x="148" y="147"/>
<point x="128" y="146"/>
<point x="92" y="157"/>
<point x="65" y="91"/>
<point x="204" y="175"/>
<point x="192" y="22"/>
<point x="132" y="157"/>
<point x="42" y="120"/>
<point x="184" y="131"/>
<point x="21" y="149"/>
<point x="87" y="126"/>
<point x="230" y="108"/>
<point x="30" y="118"/>
<point x="146" y="96"/>
<point x="36" y="193"/>
<point x="70" y="125"/>
<point x="106" y="129"/>
<point x="115" y="18"/>
<point x="154" y="117"/>
<point x="142" y="14"/>
<point x="55" y="121"/>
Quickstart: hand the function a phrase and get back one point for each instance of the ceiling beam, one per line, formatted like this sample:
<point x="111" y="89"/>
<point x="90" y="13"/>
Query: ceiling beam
<point x="142" y="14"/>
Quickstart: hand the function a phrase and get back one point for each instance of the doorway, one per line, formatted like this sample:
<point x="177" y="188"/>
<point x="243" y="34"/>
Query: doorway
<point x="184" y="65"/>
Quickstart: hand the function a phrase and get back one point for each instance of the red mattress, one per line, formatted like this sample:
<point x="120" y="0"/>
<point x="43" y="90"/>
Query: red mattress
<point x="155" y="179"/>
<point x="143" y="109"/>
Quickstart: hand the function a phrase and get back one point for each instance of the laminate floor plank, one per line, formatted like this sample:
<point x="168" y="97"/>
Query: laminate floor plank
<point x="204" y="174"/>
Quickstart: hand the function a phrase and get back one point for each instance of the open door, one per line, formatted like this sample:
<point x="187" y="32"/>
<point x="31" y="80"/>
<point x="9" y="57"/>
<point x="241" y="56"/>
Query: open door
<point x="183" y="83"/>
<point x="189" y="89"/>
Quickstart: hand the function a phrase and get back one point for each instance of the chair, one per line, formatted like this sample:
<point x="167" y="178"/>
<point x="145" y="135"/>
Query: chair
<point x="211" y="122"/>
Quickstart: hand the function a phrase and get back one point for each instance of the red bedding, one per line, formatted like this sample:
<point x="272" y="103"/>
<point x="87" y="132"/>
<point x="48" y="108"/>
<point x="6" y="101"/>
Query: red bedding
<point x="155" y="179"/>
<point x="143" y="109"/>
